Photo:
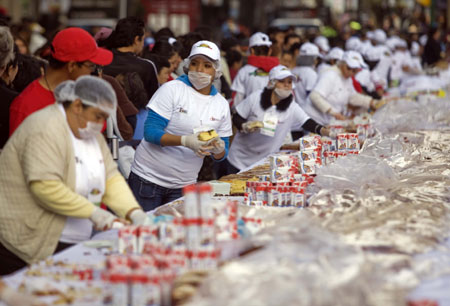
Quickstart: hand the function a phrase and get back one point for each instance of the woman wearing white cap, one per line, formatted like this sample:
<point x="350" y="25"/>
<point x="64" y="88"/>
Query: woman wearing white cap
<point x="56" y="169"/>
<point x="331" y="59"/>
<point x="323" y="44"/>
<point x="306" y="71"/>
<point x="171" y="154"/>
<point x="255" y="74"/>
<point x="334" y="90"/>
<point x="370" y="81"/>
<point x="264" y="119"/>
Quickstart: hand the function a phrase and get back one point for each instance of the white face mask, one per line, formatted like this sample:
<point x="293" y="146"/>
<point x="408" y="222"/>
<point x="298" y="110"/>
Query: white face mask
<point x="91" y="130"/>
<point x="199" y="79"/>
<point x="283" y="93"/>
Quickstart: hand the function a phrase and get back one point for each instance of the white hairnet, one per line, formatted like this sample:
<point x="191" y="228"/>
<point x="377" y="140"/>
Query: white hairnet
<point x="92" y="91"/>
<point x="216" y="64"/>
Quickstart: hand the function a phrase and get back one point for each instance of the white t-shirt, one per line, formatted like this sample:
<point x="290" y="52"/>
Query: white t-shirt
<point x="249" y="79"/>
<point x="383" y="67"/>
<point x="186" y="109"/>
<point x="322" y="68"/>
<point x="247" y="149"/>
<point x="335" y="89"/>
<point x="399" y="59"/>
<point x="364" y="78"/>
<point x="90" y="183"/>
<point x="307" y="78"/>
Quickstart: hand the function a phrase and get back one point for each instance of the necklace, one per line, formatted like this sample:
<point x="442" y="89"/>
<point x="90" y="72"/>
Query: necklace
<point x="46" y="82"/>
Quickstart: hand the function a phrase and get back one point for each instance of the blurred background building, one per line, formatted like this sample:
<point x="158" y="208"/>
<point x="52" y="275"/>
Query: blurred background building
<point x="248" y="15"/>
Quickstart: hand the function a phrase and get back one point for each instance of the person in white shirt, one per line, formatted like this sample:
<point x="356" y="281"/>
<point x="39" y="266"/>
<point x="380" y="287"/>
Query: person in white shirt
<point x="323" y="44"/>
<point x="401" y="60"/>
<point x="416" y="54"/>
<point x="274" y="109"/>
<point x="255" y="74"/>
<point x="305" y="71"/>
<point x="331" y="59"/>
<point x="171" y="154"/>
<point x="334" y="91"/>
<point x="370" y="81"/>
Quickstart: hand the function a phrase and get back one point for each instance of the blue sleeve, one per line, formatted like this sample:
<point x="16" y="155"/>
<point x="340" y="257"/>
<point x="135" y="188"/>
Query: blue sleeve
<point x="154" y="127"/>
<point x="227" y="145"/>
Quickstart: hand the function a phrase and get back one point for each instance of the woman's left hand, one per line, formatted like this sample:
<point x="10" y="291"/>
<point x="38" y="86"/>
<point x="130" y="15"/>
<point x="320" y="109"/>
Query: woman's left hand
<point x="326" y="132"/>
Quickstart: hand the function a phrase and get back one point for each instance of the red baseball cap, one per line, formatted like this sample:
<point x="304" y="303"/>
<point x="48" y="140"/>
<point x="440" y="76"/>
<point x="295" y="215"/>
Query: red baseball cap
<point x="76" y="44"/>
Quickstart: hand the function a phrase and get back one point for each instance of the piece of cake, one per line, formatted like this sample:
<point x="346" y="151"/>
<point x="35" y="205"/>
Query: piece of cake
<point x="208" y="135"/>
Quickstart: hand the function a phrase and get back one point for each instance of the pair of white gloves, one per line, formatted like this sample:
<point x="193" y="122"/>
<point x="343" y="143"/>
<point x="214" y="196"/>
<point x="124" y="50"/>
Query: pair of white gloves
<point x="203" y="148"/>
<point x="104" y="220"/>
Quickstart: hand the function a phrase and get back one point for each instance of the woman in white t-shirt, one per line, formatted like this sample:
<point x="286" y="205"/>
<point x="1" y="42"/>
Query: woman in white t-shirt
<point x="273" y="108"/>
<point x="171" y="154"/>
<point x="334" y="91"/>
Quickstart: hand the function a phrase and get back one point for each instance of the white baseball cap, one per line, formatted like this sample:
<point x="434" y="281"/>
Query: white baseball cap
<point x="361" y="60"/>
<point x="353" y="44"/>
<point x="206" y="48"/>
<point x="379" y="36"/>
<point x="259" y="39"/>
<point x="352" y="59"/>
<point x="322" y="43"/>
<point x="335" y="54"/>
<point x="281" y="72"/>
<point x="401" y="43"/>
<point x="391" y="42"/>
<point x="370" y="35"/>
<point x="372" y="54"/>
<point x="309" y="49"/>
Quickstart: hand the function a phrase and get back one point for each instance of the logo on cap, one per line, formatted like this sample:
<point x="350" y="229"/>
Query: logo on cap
<point x="205" y="46"/>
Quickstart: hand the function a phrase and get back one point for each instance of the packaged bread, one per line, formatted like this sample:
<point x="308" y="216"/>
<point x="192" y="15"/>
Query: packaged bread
<point x="208" y="135"/>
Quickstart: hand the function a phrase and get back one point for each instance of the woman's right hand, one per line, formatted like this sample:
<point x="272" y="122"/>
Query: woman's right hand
<point x="252" y="126"/>
<point x="192" y="142"/>
<point x="338" y="116"/>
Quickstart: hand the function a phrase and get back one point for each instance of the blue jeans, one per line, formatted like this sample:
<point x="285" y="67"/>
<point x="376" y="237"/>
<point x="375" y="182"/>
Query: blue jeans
<point x="150" y="195"/>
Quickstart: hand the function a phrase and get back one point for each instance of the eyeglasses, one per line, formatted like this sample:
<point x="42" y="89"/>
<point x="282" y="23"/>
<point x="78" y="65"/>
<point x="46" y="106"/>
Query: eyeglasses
<point x="90" y="66"/>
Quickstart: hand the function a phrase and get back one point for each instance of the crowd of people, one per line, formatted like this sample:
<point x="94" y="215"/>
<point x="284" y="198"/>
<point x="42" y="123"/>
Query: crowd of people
<point x="156" y="92"/>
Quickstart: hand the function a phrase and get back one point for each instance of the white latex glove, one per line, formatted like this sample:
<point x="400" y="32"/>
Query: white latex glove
<point x="102" y="219"/>
<point x="247" y="129"/>
<point x="12" y="298"/>
<point x="215" y="146"/>
<point x="139" y="217"/>
<point x="192" y="142"/>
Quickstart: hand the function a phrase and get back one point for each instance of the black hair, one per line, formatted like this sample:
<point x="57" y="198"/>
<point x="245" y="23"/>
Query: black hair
<point x="29" y="69"/>
<point x="232" y="57"/>
<point x="266" y="100"/>
<point x="290" y="35"/>
<point x="159" y="60"/>
<point x="163" y="48"/>
<point x="163" y="33"/>
<point x="125" y="32"/>
<point x="187" y="41"/>
<point x="295" y="47"/>
<point x="228" y="43"/>
<point x="206" y="31"/>
<point x="371" y="64"/>
<point x="54" y="63"/>
<point x="261" y="50"/>
<point x="273" y="30"/>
